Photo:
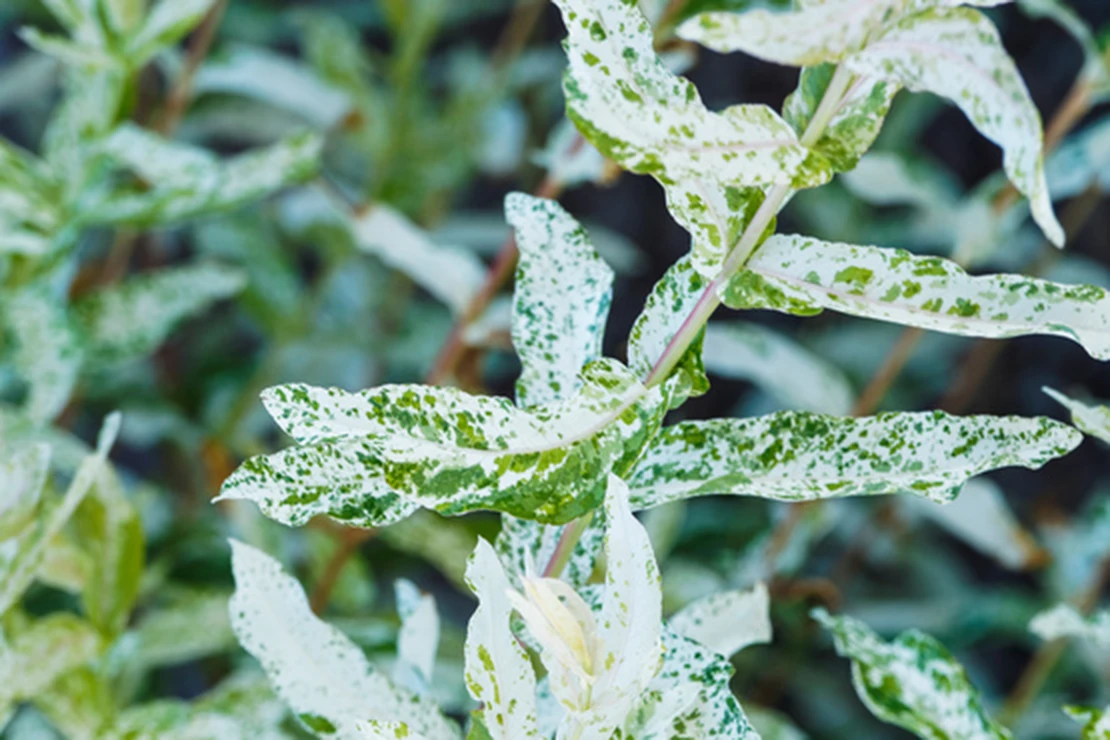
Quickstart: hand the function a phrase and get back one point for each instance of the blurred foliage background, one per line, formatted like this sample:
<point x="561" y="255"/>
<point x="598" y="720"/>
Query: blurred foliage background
<point x="366" y="272"/>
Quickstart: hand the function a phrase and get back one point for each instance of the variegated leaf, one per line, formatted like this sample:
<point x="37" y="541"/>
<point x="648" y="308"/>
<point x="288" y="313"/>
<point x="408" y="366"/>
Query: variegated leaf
<point x="1096" y="722"/>
<point x="627" y="103"/>
<point x="131" y="319"/>
<point x="803" y="276"/>
<point x="315" y="668"/>
<point x="498" y="672"/>
<point x="776" y="364"/>
<point x="726" y="622"/>
<point x="560" y="301"/>
<point x="48" y="350"/>
<point x="1088" y="418"/>
<point x="525" y="545"/>
<point x="912" y="682"/>
<point x="1064" y="620"/>
<point x="715" y="214"/>
<point x="24" y="474"/>
<point x="373" y="457"/>
<point x="43" y="652"/>
<point x="795" y="456"/>
<point x="418" y="638"/>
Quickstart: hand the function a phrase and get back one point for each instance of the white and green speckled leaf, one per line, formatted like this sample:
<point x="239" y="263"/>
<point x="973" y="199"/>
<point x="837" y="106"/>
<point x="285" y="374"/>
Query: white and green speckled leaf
<point x="726" y="622"/>
<point x="48" y="350"/>
<point x="418" y="638"/>
<point x="560" y="301"/>
<point x="24" y="474"/>
<point x="315" y="668"/>
<point x="670" y="302"/>
<point x="1096" y="722"/>
<point x="1088" y="418"/>
<point x="44" y="651"/>
<point x="803" y="276"/>
<point x="373" y="457"/>
<point x="638" y="113"/>
<point x="715" y="214"/>
<point x="778" y="365"/>
<point x="956" y="53"/>
<point x="1064" y="620"/>
<point x="796" y="456"/>
<point x="131" y="319"/>
<point x="185" y="181"/>
<point x="498" y="672"/>
<point x="912" y="682"/>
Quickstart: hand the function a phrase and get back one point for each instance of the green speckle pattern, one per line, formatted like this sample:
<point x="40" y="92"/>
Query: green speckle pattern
<point x="1096" y="722"/>
<point x="912" y="682"/>
<point x="800" y="275"/>
<point x="794" y="456"/>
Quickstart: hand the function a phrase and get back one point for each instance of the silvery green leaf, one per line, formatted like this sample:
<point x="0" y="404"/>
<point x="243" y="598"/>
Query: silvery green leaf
<point x="498" y="672"/>
<point x="24" y="474"/>
<point x="912" y="682"/>
<point x="123" y="16"/>
<point x="728" y="621"/>
<point x="956" y="53"/>
<point x="527" y="546"/>
<point x="671" y="301"/>
<point x="797" y="456"/>
<point x="373" y="457"/>
<point x="638" y="113"/>
<point x="1088" y="418"/>
<point x="1078" y="547"/>
<point x="22" y="556"/>
<point x="193" y="625"/>
<point x="981" y="518"/>
<point x="48" y="350"/>
<point x="164" y="25"/>
<point x="67" y="51"/>
<point x="887" y="178"/>
<point x="1064" y="620"/>
<point x="418" y="638"/>
<point x="131" y="319"/>
<point x="314" y="667"/>
<point x="29" y="208"/>
<point x="450" y="274"/>
<point x="46" y="650"/>
<point x="803" y="276"/>
<point x="775" y="363"/>
<point x="560" y="301"/>
<point x="1096" y="722"/>
<point x="187" y="182"/>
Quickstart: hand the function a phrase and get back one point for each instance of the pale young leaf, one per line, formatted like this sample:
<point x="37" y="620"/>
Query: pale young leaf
<point x="957" y="53"/>
<point x="130" y="319"/>
<point x="775" y="363"/>
<point x="418" y="638"/>
<point x="912" y="682"/>
<point x="560" y="300"/>
<point x="48" y="350"/>
<point x="796" y="456"/>
<point x="315" y="668"/>
<point x="638" y="113"/>
<point x="1088" y="418"/>
<point x="803" y="276"/>
<point x="23" y="472"/>
<point x="728" y="621"/>
<point x="46" y="650"/>
<point x="1096" y="722"/>
<point x="498" y="672"/>
<point x="1064" y="620"/>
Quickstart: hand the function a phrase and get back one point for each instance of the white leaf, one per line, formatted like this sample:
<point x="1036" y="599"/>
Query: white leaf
<point x="728" y="621"/>
<point x="803" y="276"/>
<point x="497" y="669"/>
<point x="1064" y="620"/>
<point x="778" y="365"/>
<point x="1088" y="418"/>
<point x="418" y="638"/>
<point x="314" y="667"/>
<point x="560" y="302"/>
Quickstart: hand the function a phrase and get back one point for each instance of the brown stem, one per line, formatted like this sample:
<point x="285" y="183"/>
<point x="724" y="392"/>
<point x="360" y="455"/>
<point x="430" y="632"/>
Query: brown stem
<point x="182" y="91"/>
<point x="348" y="545"/>
<point x="888" y="372"/>
<point x="522" y="22"/>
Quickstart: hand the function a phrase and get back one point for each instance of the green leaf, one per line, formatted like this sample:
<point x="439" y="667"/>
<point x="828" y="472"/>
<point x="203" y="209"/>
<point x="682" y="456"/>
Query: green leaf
<point x="129" y="320"/>
<point x="803" y="276"/>
<point x="726" y="622"/>
<point x="627" y="103"/>
<point x="796" y="456"/>
<point x="48" y="350"/>
<point x="374" y="457"/>
<point x="1096" y="722"/>
<point x="1064" y="620"/>
<point x="79" y="704"/>
<point x="314" y="667"/>
<point x="24" y="474"/>
<point x="46" y="650"/>
<point x="1088" y="418"/>
<point x="912" y="682"/>
<point x="560" y="302"/>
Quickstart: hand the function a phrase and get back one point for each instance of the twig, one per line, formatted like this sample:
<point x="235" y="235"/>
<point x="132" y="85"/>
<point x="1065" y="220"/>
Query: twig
<point x="182" y="91"/>
<point x="873" y="394"/>
<point x="349" y="542"/>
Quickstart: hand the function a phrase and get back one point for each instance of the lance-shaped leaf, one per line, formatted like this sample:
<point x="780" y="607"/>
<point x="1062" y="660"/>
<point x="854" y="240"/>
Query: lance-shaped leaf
<point x="1088" y="418"/>
<point x="48" y="350"/>
<point x="728" y="621"/>
<point x="1096" y="722"/>
<point x="186" y="181"/>
<point x="373" y="457"/>
<point x="773" y="362"/>
<point x="804" y="276"/>
<point x="956" y="53"/>
<point x="560" y="302"/>
<point x="498" y="672"/>
<point x="44" y="652"/>
<point x="795" y="456"/>
<point x="315" y="668"/>
<point x="912" y="682"/>
<point x="418" y="638"/>
<point x="637" y="112"/>
<point x="131" y="319"/>
<point x="1064" y="620"/>
<point x="24" y="474"/>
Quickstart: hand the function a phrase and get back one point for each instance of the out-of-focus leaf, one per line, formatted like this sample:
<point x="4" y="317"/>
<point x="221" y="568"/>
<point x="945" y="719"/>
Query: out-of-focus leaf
<point x="444" y="543"/>
<point x="24" y="474"/>
<point x="1064" y="620"/>
<point x="192" y="625"/>
<point x="1096" y="722"/>
<point x="1088" y="418"/>
<point x="1082" y="161"/>
<point x="79" y="704"/>
<point x="418" y="638"/>
<point x="165" y="23"/>
<point x="46" y="650"/>
<point x="48" y="353"/>
<point x="728" y="621"/>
